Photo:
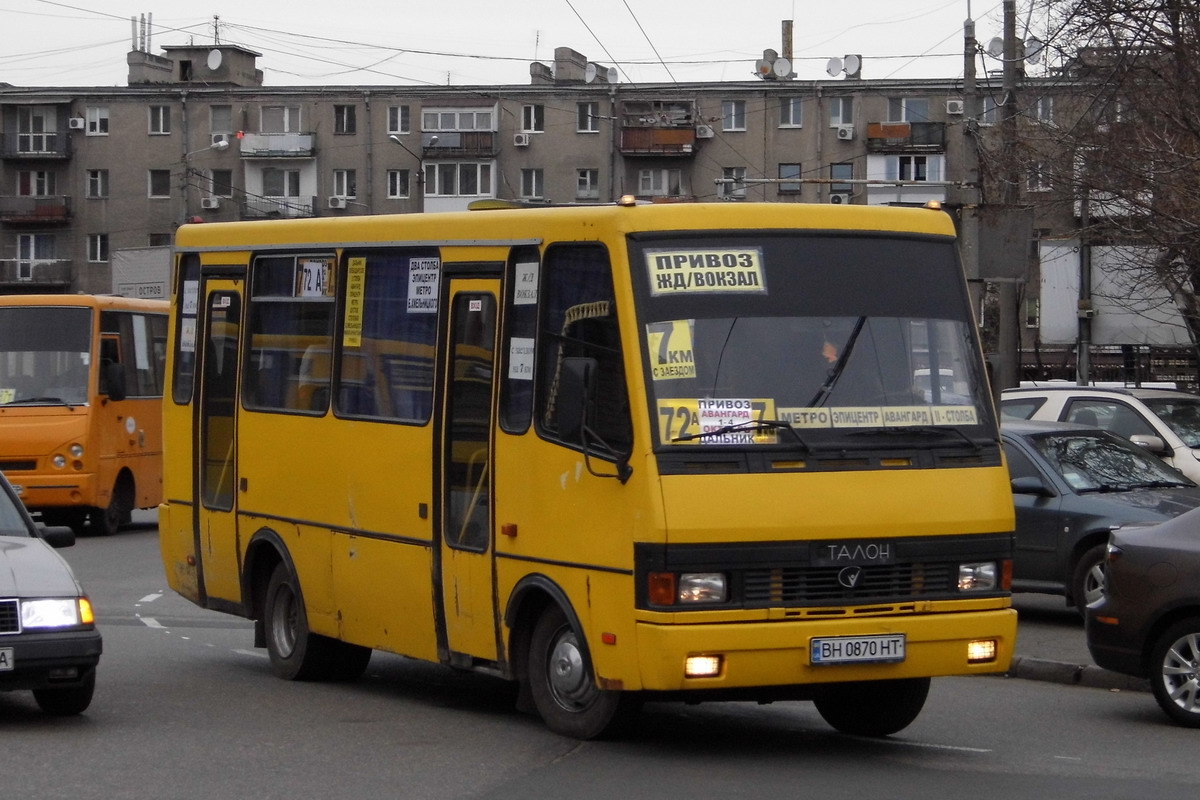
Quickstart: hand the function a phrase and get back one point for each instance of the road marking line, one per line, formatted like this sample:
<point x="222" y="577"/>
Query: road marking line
<point x="150" y="598"/>
<point x="150" y="622"/>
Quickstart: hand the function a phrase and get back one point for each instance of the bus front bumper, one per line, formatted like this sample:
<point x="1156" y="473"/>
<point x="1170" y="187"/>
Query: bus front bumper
<point x="766" y="654"/>
<point x="60" y="490"/>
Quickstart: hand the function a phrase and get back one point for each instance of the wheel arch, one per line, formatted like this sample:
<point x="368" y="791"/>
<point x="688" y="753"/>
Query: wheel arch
<point x="1156" y="628"/>
<point x="532" y="595"/>
<point x="1084" y="543"/>
<point x="265" y="551"/>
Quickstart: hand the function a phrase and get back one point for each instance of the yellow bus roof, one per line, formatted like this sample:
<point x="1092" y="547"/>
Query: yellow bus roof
<point x="102" y="301"/>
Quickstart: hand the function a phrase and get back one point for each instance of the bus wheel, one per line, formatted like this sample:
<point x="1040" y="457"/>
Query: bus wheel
<point x="296" y="653"/>
<point x="872" y="708"/>
<point x="119" y="511"/>
<point x="563" y="686"/>
<point x="349" y="661"/>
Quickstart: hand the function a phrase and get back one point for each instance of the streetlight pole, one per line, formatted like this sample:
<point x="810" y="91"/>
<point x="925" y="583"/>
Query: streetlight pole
<point x="219" y="146"/>
<point x="420" y="165"/>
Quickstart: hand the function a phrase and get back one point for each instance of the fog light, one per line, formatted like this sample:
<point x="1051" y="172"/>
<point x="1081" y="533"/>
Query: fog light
<point x="59" y="461"/>
<point x="981" y="651"/>
<point x="76" y="450"/>
<point x="702" y="666"/>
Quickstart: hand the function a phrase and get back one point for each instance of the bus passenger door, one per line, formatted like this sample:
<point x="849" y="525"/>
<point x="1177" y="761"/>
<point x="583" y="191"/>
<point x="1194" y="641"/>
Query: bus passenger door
<point x="467" y="577"/>
<point x="216" y="523"/>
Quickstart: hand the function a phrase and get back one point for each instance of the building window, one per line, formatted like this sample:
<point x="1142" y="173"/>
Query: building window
<point x="991" y="111"/>
<point x="220" y="119"/>
<point x="160" y="183"/>
<point x="97" y="183"/>
<point x="160" y="239"/>
<point x="160" y="120"/>
<point x="913" y="168"/>
<point x="345" y="119"/>
<point x="345" y="183"/>
<point x="841" y="172"/>
<point x="733" y="115"/>
<point x="456" y="119"/>
<point x="397" y="183"/>
<point x="97" y="244"/>
<point x="1045" y="109"/>
<point x="1038" y="179"/>
<point x="281" y="182"/>
<point x="399" y="119"/>
<point x="222" y="183"/>
<point x="532" y="184"/>
<point x="587" y="117"/>
<point x="660" y="183"/>
<point x="280" y="119"/>
<point x="789" y="171"/>
<point x="1033" y="312"/>
<point x="458" y="179"/>
<point x="908" y="109"/>
<point x="533" y="118"/>
<point x="35" y="183"/>
<point x="97" y="121"/>
<point x="790" y="112"/>
<point x="735" y="190"/>
<point x="841" y="111"/>
<point x="587" y="184"/>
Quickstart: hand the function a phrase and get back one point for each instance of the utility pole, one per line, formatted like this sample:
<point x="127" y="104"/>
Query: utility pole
<point x="1008" y="330"/>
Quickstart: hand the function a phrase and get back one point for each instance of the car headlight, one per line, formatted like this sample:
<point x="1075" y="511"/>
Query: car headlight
<point x="56" y="612"/>
<point x="977" y="577"/>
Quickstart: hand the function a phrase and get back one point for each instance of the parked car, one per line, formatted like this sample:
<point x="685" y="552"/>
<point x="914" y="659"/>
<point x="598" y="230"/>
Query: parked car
<point x="1072" y="486"/>
<point x="48" y="637"/>
<point x="1165" y="422"/>
<point x="1147" y="623"/>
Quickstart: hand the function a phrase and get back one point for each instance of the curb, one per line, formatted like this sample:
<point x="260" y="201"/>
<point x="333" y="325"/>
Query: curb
<point x="1089" y="675"/>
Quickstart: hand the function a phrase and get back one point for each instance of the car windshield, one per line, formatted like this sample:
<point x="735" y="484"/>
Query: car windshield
<point x="12" y="523"/>
<point x="45" y="353"/>
<point x="1182" y="415"/>
<point x="1099" y="462"/>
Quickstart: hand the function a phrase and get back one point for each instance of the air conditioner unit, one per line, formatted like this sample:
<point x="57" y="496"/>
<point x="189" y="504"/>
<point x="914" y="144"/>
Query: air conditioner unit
<point x="520" y="140"/>
<point x="840" y="198"/>
<point x="845" y="132"/>
<point x="210" y="203"/>
<point x="337" y="202"/>
<point x="704" y="132"/>
<point x="217" y="138"/>
<point x="954" y="107"/>
<point x="76" y="123"/>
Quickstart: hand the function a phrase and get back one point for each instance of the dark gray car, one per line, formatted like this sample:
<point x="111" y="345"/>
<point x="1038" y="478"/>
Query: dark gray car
<point x="1147" y="623"/>
<point x="1072" y="486"/>
<point x="48" y="637"/>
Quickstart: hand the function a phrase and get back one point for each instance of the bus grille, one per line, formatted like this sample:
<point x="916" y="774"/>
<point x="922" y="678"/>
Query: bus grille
<point x="18" y="466"/>
<point x="10" y="617"/>
<point x="804" y="586"/>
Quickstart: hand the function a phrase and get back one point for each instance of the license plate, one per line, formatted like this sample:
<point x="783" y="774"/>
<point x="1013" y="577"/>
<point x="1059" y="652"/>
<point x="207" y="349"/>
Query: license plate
<point x="858" y="649"/>
<point x="19" y="489"/>
<point x="6" y="659"/>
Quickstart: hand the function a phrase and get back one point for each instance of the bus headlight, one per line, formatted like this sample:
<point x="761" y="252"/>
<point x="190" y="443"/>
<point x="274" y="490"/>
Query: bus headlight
<point x="977" y="577"/>
<point x="59" y="461"/>
<point x="76" y="451"/>
<point x="702" y="587"/>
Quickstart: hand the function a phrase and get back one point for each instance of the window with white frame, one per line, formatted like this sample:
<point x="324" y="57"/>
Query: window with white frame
<point x="97" y="247"/>
<point x="734" y="187"/>
<point x="97" y="183"/>
<point x="397" y="183"/>
<point x="279" y="119"/>
<point x="159" y="183"/>
<point x="399" y="119"/>
<point x="1044" y="109"/>
<point x="345" y="183"/>
<point x="97" y="120"/>
<point x="841" y="111"/>
<point x="1033" y="312"/>
<point x="913" y="168"/>
<point x="533" y="118"/>
<point x="1038" y="178"/>
<point x="587" y="184"/>
<point x="456" y="119"/>
<point x="733" y="115"/>
<point x="36" y="183"/>
<point x="532" y="184"/>
<point x="908" y="109"/>
<point x="160" y="120"/>
<point x="458" y="179"/>
<point x="281" y="182"/>
<point x="345" y="119"/>
<point x="587" y="117"/>
<point x="789" y="171"/>
<point x="791" y="112"/>
<point x="34" y="249"/>
<point x="991" y="111"/>
<point x="220" y="119"/>
<point x="660" y="183"/>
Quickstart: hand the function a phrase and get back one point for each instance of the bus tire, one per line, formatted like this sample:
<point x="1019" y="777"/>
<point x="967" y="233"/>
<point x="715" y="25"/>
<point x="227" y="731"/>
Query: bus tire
<point x="872" y="708"/>
<point x="563" y="684"/>
<point x="349" y="661"/>
<point x="119" y="511"/>
<point x="296" y="653"/>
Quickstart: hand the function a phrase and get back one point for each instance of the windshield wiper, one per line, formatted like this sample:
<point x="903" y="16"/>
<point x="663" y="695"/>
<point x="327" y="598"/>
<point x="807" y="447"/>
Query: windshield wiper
<point x="838" y="368"/>
<point x="57" y="400"/>
<point x="749" y="425"/>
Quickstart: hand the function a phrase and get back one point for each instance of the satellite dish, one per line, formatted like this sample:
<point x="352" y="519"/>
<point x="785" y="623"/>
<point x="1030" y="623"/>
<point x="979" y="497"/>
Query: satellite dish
<point x="995" y="47"/>
<point x="214" y="59"/>
<point x="833" y="67"/>
<point x="853" y="64"/>
<point x="589" y="73"/>
<point x="762" y="67"/>
<point x="782" y="67"/>
<point x="1033" y="49"/>
<point x="613" y="75"/>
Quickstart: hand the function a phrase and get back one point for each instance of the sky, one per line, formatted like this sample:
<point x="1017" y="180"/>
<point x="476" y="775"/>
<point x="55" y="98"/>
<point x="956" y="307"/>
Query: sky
<point x="492" y="42"/>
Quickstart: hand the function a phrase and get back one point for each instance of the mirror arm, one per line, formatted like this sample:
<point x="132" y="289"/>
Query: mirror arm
<point x="624" y="471"/>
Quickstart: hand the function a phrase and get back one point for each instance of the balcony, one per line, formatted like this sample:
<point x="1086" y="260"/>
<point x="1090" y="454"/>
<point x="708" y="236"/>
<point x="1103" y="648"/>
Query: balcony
<point x="48" y="210"/>
<point x="31" y="273"/>
<point x="907" y="137"/>
<point x="53" y="146"/>
<point x="658" y="141"/>
<point x="278" y="207"/>
<point x="459" y="144"/>
<point x="659" y="128"/>
<point x="278" y="145"/>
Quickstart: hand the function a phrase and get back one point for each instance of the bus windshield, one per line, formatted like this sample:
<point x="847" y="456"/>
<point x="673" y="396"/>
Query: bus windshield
<point x="45" y="354"/>
<point x="807" y="339"/>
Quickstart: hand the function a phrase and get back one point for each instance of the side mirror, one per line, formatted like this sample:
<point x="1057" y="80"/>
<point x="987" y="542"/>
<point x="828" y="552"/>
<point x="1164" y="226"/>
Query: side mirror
<point x="1154" y="444"/>
<point x="1031" y="485"/>
<point x="112" y="380"/>
<point x="576" y="397"/>
<point x="57" y="535"/>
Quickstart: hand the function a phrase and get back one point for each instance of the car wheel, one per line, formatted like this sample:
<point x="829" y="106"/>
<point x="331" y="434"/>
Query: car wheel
<point x="1087" y="581"/>
<point x="1175" y="672"/>
<point x="67" y="701"/>
<point x="563" y="685"/>
<point x="872" y="708"/>
<point x="296" y="653"/>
